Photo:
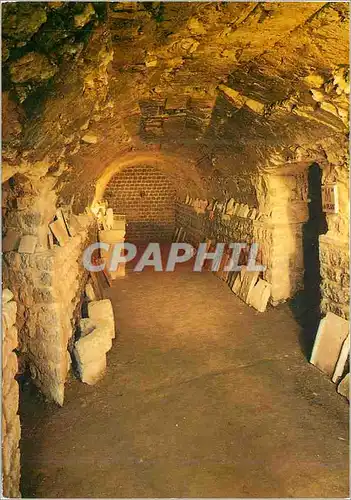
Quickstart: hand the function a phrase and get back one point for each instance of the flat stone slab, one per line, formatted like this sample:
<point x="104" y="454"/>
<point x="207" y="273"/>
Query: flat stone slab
<point x="332" y="332"/>
<point x="260" y="295"/>
<point x="340" y="365"/>
<point x="248" y="282"/>
<point x="236" y="284"/>
<point x="27" y="244"/>
<point x="230" y="206"/>
<point x="59" y="230"/>
<point x="89" y="292"/>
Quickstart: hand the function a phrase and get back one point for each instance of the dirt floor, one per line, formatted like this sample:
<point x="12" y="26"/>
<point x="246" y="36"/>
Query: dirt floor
<point x="204" y="397"/>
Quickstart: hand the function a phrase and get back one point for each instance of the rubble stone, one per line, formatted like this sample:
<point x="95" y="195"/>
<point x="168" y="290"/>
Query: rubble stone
<point x="101" y="311"/>
<point x="94" y="371"/>
<point x="27" y="244"/>
<point x="86" y="325"/>
<point x="92" y="346"/>
<point x="32" y="67"/>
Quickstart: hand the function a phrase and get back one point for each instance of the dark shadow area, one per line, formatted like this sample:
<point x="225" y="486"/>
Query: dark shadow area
<point x="34" y="409"/>
<point x="306" y="303"/>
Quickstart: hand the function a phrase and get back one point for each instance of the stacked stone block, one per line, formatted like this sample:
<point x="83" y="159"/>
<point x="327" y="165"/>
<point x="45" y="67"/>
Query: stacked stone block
<point x="97" y="333"/>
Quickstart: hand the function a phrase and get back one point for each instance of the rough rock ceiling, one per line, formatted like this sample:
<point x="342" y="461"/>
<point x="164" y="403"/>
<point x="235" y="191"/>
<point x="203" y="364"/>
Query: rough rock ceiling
<point x="232" y="79"/>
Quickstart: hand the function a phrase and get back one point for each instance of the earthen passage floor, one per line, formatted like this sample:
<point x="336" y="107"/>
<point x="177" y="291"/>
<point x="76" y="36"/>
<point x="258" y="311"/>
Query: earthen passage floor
<point x="204" y="397"/>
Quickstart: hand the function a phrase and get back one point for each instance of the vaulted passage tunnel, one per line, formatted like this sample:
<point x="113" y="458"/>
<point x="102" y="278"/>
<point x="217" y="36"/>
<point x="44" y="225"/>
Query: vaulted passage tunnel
<point x="222" y="128"/>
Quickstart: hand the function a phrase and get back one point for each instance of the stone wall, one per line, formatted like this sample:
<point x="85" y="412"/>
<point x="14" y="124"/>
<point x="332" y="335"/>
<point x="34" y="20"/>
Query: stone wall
<point x="11" y="430"/>
<point x="276" y="226"/>
<point x="282" y="227"/>
<point x="192" y="222"/>
<point x="334" y="252"/>
<point x="335" y="273"/>
<point x="146" y="196"/>
<point x="47" y="284"/>
<point x="282" y="197"/>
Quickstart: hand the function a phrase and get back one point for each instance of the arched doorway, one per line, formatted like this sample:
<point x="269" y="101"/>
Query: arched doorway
<point x="146" y="196"/>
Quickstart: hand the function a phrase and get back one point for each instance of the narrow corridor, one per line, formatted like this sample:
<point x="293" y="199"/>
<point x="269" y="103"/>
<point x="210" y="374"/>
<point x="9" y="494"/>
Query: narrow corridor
<point x="204" y="397"/>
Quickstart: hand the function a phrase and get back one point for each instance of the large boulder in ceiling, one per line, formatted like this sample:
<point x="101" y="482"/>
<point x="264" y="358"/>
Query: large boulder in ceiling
<point x="21" y="20"/>
<point x="32" y="67"/>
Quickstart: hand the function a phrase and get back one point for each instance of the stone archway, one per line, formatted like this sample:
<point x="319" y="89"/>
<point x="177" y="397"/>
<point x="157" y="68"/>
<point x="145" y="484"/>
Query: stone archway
<point x="146" y="196"/>
<point x="180" y="170"/>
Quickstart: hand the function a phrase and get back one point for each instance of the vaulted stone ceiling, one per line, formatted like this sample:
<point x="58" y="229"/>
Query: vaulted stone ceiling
<point x="226" y="85"/>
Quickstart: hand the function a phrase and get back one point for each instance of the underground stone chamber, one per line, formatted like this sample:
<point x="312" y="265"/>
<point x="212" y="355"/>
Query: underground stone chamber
<point x="195" y="123"/>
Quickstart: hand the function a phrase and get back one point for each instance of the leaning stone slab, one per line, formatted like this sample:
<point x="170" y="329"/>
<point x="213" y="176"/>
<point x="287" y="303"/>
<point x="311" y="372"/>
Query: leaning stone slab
<point x="245" y="211"/>
<point x="343" y="356"/>
<point x="231" y="278"/>
<point x="260" y="295"/>
<point x="252" y="214"/>
<point x="236" y="284"/>
<point x="89" y="292"/>
<point x="236" y="208"/>
<point x="344" y="387"/>
<point x="238" y="280"/>
<point x="332" y="332"/>
<point x="230" y="207"/>
<point x="248" y="282"/>
<point x="101" y="310"/>
<point x="27" y="244"/>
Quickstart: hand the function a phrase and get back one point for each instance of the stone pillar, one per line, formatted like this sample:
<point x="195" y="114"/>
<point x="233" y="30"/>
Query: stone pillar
<point x="46" y="282"/>
<point x="11" y="430"/>
<point x="48" y="286"/>
<point x="282" y="253"/>
<point x="280" y="233"/>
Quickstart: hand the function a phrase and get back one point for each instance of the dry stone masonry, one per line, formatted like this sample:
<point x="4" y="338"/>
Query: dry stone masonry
<point x="47" y="280"/>
<point x="11" y="430"/>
